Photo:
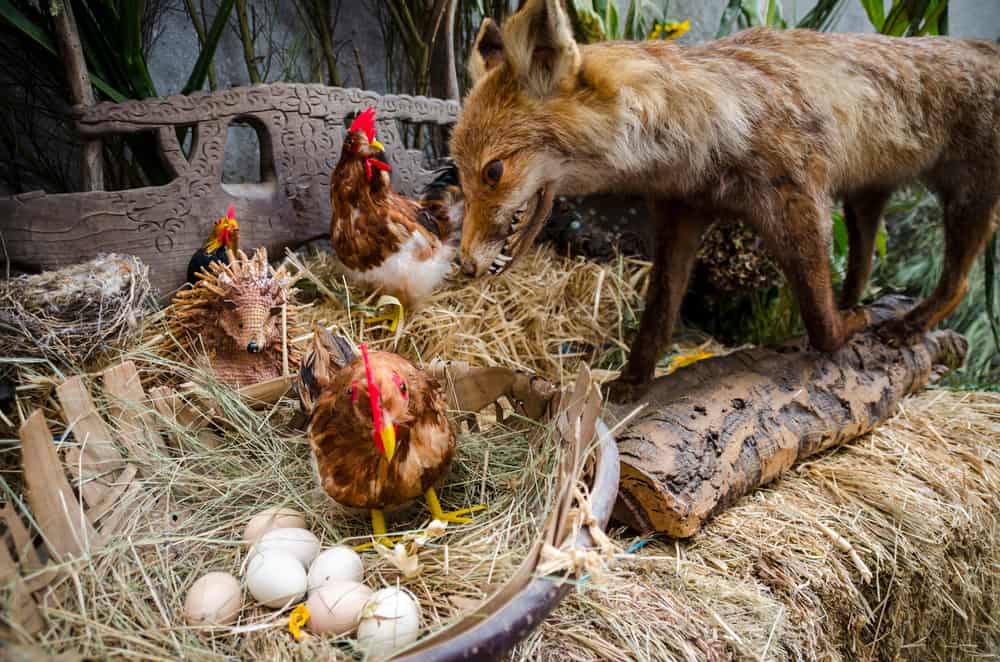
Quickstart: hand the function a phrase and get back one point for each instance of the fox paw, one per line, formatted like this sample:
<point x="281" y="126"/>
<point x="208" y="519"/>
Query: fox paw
<point x="623" y="390"/>
<point x="899" y="332"/>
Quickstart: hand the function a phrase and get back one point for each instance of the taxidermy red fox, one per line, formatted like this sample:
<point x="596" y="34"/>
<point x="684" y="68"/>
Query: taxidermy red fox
<point x="765" y="126"/>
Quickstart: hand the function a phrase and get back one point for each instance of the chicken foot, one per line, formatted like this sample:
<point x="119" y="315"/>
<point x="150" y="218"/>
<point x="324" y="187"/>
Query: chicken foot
<point x="455" y="516"/>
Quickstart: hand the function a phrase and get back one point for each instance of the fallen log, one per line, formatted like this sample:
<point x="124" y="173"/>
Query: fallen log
<point x="712" y="432"/>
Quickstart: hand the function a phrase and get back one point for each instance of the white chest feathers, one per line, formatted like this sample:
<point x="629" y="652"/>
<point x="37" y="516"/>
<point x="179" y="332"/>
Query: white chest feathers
<point x="408" y="274"/>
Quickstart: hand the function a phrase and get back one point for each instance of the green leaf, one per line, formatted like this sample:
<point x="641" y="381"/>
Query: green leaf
<point x="200" y="71"/>
<point x="990" y="273"/>
<point x="774" y="18"/>
<point x="881" y="242"/>
<point x="632" y="22"/>
<point x="611" y="22"/>
<point x="730" y="18"/>
<point x="840" y="240"/>
<point x="876" y="13"/>
<point x="40" y="37"/>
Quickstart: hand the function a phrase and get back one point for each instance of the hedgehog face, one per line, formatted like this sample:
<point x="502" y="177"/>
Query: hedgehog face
<point x="252" y="319"/>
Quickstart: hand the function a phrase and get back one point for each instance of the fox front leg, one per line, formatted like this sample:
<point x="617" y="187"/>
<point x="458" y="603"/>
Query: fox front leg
<point x="799" y="241"/>
<point x="679" y="232"/>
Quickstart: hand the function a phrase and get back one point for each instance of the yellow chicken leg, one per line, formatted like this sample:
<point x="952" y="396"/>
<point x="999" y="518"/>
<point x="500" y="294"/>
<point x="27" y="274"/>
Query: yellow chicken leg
<point x="455" y="516"/>
<point x="378" y="533"/>
<point x="394" y="316"/>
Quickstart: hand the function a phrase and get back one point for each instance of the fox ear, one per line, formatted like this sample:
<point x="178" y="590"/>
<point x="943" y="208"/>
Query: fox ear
<point x="487" y="51"/>
<point x="539" y="45"/>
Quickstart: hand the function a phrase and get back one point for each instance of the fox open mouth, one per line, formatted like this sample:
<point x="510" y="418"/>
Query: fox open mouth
<point x="521" y="231"/>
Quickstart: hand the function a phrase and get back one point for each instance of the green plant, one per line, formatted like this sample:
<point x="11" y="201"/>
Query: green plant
<point x="598" y="20"/>
<point x="910" y="18"/>
<point x="113" y="36"/>
<point x="743" y="14"/>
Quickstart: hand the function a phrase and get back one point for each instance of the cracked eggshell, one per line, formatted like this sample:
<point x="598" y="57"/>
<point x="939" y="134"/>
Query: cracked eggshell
<point x="338" y="563"/>
<point x="214" y="599"/>
<point x="270" y="519"/>
<point x="336" y="607"/>
<point x="389" y="621"/>
<point x="300" y="543"/>
<point x="275" y="578"/>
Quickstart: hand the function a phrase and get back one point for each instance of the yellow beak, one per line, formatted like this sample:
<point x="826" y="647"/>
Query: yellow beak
<point x="377" y="145"/>
<point x="388" y="435"/>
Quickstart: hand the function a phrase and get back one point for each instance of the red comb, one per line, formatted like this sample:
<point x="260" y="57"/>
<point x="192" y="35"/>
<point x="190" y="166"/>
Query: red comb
<point x="365" y="122"/>
<point x="373" y="396"/>
<point x="232" y="211"/>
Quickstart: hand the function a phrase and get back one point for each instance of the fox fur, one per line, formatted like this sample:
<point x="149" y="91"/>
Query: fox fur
<point x="766" y="126"/>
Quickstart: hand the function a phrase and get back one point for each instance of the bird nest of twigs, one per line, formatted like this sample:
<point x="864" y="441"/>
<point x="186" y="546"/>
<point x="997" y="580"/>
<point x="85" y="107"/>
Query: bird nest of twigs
<point x="73" y="316"/>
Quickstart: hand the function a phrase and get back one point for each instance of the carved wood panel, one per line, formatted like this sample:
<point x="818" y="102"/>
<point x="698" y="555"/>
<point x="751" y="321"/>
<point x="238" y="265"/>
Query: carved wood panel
<point x="301" y="128"/>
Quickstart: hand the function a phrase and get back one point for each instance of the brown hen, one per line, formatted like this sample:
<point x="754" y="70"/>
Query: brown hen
<point x="385" y="241"/>
<point x="377" y="427"/>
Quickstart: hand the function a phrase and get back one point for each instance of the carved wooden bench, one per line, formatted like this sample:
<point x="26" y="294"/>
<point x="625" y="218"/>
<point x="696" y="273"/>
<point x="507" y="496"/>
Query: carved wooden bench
<point x="301" y="129"/>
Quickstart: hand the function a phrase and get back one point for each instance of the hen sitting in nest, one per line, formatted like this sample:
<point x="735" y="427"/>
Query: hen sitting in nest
<point x="377" y="427"/>
<point x="241" y="313"/>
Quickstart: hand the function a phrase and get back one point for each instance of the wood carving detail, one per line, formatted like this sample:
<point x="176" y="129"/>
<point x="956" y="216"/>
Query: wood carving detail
<point x="301" y="128"/>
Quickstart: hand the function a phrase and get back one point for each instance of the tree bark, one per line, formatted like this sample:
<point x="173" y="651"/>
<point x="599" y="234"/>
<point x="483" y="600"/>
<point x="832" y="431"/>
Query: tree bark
<point x="68" y="41"/>
<point x="716" y="430"/>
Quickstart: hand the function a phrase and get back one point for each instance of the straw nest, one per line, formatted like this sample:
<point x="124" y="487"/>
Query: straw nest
<point x="887" y="547"/>
<point x="127" y="598"/>
<point x="73" y="315"/>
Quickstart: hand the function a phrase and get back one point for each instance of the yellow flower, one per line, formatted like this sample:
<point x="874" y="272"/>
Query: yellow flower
<point x="296" y="620"/>
<point x="657" y="31"/>
<point x="683" y="360"/>
<point x="674" y="29"/>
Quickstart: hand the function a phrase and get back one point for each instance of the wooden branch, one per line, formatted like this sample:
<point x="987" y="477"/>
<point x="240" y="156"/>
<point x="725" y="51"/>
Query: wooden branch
<point x="716" y="430"/>
<point x="247" y="39"/>
<point x="80" y="90"/>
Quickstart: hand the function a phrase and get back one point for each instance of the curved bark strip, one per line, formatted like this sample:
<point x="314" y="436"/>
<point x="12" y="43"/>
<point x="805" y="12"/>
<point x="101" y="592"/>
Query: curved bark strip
<point x="716" y="430"/>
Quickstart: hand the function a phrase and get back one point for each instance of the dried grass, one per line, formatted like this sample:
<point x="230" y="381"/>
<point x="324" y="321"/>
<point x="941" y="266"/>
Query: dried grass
<point x="547" y="314"/>
<point x="916" y="502"/>
<point x="126" y="600"/>
<point x="779" y="576"/>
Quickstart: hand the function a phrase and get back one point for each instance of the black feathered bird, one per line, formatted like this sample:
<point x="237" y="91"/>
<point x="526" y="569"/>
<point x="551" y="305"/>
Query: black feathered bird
<point x="225" y="237"/>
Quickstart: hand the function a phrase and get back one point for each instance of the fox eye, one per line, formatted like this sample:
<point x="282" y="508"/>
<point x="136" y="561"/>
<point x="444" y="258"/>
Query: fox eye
<point x="493" y="172"/>
<point x="275" y="310"/>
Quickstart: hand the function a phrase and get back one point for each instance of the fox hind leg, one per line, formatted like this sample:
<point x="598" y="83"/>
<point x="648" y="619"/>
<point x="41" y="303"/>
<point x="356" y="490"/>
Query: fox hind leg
<point x="969" y="221"/>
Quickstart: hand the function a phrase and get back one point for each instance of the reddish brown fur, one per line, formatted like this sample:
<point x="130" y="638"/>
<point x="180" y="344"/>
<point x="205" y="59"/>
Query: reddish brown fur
<point x="765" y="126"/>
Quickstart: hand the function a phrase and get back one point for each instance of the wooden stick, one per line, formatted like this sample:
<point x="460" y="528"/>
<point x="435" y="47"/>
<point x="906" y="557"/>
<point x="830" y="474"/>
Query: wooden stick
<point x="68" y="41"/>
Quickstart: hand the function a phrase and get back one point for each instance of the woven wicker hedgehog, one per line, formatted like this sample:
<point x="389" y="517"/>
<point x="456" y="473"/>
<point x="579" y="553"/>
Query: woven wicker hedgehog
<point x="235" y="311"/>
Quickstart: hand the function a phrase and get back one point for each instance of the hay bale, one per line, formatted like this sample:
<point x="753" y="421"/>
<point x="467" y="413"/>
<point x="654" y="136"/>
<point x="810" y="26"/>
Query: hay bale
<point x="72" y="316"/>
<point x="777" y="577"/>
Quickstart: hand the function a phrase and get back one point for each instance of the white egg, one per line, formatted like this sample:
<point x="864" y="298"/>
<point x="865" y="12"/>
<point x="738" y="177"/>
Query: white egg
<point x="275" y="578"/>
<point x="336" y="606"/>
<point x="335" y="564"/>
<point x="300" y="543"/>
<point x="214" y="599"/>
<point x="389" y="621"/>
<point x="272" y="518"/>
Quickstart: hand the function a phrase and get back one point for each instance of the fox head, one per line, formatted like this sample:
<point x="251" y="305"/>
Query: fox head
<point x="514" y="137"/>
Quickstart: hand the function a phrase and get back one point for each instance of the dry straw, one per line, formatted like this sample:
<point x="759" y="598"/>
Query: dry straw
<point x="783" y="575"/>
